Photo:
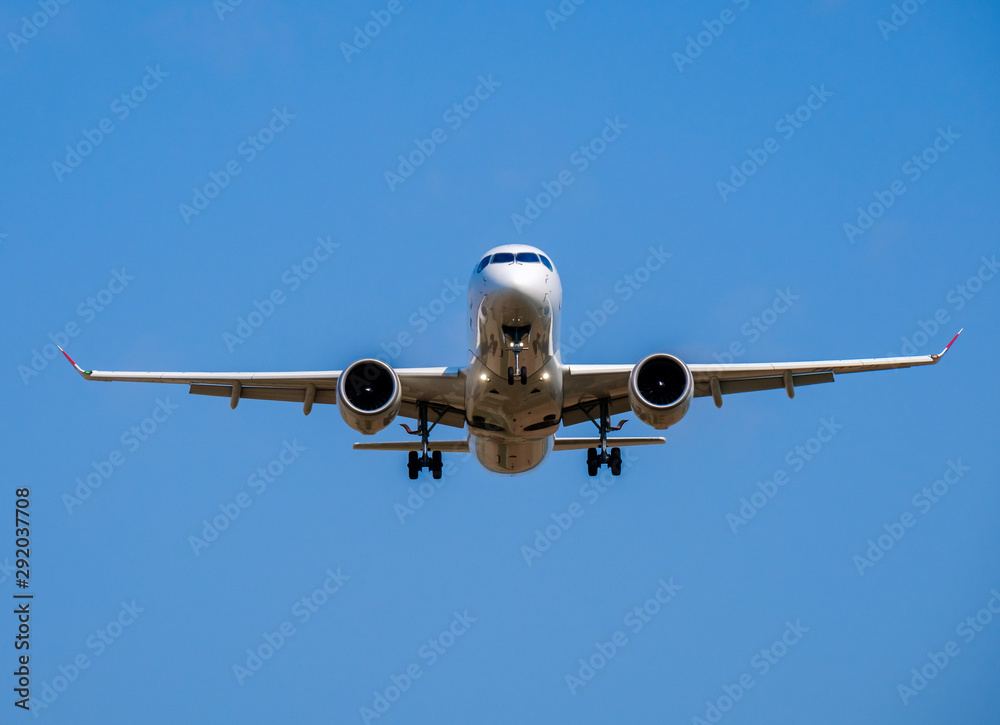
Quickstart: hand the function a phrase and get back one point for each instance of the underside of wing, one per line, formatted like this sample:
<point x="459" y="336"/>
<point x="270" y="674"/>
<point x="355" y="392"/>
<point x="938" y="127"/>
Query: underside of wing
<point x="584" y="386"/>
<point x="442" y="389"/>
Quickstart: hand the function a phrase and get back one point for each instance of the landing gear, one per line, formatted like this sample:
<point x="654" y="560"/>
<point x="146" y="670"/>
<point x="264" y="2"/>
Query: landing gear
<point x="523" y="375"/>
<point x="431" y="460"/>
<point x="597" y="458"/>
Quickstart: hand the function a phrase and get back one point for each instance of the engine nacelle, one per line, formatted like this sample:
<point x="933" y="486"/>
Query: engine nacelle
<point x="368" y="395"/>
<point x="660" y="389"/>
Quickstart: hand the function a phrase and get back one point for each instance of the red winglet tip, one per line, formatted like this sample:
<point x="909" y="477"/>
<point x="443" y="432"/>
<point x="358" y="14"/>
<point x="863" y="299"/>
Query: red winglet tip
<point x="68" y="357"/>
<point x="946" y="347"/>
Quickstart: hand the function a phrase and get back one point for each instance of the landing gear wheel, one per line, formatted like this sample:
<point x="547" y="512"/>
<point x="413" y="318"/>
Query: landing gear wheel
<point x="615" y="463"/>
<point x="436" y="466"/>
<point x="413" y="465"/>
<point x="510" y="375"/>
<point x="524" y="376"/>
<point x="593" y="462"/>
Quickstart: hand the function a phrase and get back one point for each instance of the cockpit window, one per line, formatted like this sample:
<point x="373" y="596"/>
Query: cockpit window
<point x="527" y="257"/>
<point x="546" y="262"/>
<point x="482" y="264"/>
<point x="502" y="258"/>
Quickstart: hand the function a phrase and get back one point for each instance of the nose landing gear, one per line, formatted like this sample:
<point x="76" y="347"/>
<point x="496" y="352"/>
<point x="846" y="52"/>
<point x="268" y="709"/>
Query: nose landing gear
<point x="517" y="336"/>
<point x="510" y="373"/>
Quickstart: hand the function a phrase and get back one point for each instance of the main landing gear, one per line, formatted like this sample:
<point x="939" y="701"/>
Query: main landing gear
<point x="597" y="458"/>
<point x="431" y="460"/>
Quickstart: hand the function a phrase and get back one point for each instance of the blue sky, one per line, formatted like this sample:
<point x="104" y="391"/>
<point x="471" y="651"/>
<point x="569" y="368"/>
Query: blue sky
<point x="168" y="172"/>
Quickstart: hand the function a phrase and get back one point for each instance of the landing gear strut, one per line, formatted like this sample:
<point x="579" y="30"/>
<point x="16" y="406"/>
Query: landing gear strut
<point x="517" y="337"/>
<point x="425" y="458"/>
<point x="597" y="458"/>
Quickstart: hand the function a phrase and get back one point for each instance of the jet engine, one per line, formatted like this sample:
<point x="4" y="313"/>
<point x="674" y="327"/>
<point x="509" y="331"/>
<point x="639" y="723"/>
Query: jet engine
<point x="368" y="395"/>
<point x="660" y="389"/>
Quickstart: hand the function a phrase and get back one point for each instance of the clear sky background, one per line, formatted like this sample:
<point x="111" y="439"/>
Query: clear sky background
<point x="880" y="95"/>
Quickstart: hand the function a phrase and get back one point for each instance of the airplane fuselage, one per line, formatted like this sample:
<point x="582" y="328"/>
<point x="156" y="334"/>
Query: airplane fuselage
<point x="514" y="391"/>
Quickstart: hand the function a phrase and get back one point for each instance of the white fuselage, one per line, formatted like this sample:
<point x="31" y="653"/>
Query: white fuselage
<point x="514" y="323"/>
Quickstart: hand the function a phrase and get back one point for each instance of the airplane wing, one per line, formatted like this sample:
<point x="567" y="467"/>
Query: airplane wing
<point x="583" y="385"/>
<point x="443" y="389"/>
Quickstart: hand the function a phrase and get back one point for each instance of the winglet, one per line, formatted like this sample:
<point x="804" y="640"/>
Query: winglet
<point x="941" y="354"/>
<point x="80" y="370"/>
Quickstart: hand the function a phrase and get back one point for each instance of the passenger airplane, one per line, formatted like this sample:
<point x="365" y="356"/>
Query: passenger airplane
<point x="515" y="392"/>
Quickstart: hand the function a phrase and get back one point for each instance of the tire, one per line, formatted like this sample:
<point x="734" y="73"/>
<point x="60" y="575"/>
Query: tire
<point x="413" y="466"/>
<point x="616" y="462"/>
<point x="592" y="468"/>
<point x="436" y="466"/>
<point x="510" y="375"/>
<point x="524" y="376"/>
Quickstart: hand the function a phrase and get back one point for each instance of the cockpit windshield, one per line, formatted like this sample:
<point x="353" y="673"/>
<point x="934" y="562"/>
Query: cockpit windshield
<point x="509" y="257"/>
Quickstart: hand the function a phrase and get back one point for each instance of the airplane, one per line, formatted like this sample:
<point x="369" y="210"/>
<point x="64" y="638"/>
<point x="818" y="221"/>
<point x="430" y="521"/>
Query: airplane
<point x="515" y="392"/>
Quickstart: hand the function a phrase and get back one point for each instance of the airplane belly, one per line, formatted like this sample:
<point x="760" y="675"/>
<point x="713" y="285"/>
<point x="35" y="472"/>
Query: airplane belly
<point x="507" y="456"/>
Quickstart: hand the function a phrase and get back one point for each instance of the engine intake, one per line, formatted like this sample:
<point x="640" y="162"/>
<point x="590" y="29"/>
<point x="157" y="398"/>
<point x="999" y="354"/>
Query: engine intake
<point x="368" y="396"/>
<point x="660" y="389"/>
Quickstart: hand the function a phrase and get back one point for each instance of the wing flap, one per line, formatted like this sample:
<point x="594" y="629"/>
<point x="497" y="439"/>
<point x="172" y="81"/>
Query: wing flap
<point x="288" y="395"/>
<point x="747" y="385"/>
